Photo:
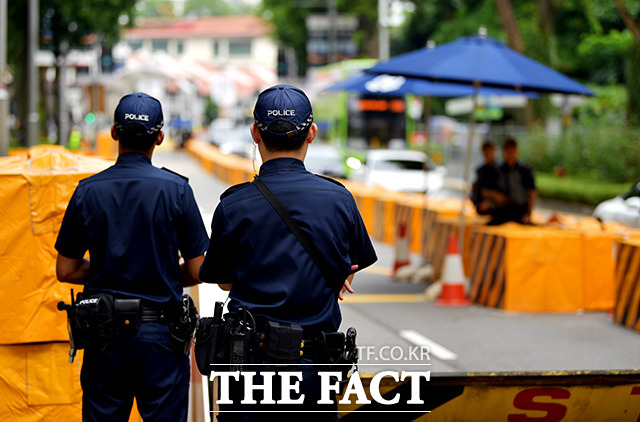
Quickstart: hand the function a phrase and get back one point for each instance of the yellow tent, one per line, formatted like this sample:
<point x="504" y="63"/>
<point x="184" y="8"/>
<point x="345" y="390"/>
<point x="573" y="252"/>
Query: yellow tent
<point x="34" y="191"/>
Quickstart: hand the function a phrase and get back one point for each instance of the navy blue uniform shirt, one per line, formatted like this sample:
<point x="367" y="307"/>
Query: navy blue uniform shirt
<point x="272" y="274"/>
<point x="133" y="218"/>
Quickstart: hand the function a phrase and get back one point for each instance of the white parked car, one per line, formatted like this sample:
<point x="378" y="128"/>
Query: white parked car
<point x="624" y="209"/>
<point x="325" y="159"/>
<point x="398" y="170"/>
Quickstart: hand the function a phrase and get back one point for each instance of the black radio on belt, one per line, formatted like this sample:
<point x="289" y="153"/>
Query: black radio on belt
<point x="241" y="336"/>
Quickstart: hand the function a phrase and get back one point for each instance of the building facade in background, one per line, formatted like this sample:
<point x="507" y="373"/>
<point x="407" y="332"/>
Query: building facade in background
<point x="217" y="40"/>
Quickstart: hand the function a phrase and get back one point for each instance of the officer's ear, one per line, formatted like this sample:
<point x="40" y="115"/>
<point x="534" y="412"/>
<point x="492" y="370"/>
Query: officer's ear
<point x="255" y="134"/>
<point x="313" y="131"/>
<point x="160" y="138"/>
<point x="114" y="133"/>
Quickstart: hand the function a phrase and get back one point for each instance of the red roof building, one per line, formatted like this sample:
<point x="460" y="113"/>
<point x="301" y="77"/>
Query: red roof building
<point x="219" y="40"/>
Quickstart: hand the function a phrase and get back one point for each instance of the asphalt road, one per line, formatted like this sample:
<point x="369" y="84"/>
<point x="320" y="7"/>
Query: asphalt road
<point x="395" y="325"/>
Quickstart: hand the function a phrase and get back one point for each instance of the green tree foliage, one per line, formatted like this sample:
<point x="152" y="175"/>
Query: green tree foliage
<point x="211" y="111"/>
<point x="217" y="8"/>
<point x="603" y="54"/>
<point x="366" y="37"/>
<point x="597" y="147"/>
<point x="74" y="20"/>
<point x="63" y="24"/>
<point x="156" y="9"/>
<point x="444" y="21"/>
<point x="288" y="23"/>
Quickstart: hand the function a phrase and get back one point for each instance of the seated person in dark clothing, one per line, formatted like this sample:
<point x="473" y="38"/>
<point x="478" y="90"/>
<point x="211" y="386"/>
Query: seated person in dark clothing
<point x="486" y="180"/>
<point x="516" y="195"/>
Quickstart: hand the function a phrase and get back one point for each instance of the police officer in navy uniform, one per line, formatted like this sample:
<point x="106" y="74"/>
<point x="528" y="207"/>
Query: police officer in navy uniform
<point x="253" y="254"/>
<point x="134" y="219"/>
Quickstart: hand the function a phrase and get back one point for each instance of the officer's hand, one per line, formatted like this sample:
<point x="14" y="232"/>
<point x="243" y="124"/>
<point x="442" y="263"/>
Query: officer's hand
<point x="347" y="284"/>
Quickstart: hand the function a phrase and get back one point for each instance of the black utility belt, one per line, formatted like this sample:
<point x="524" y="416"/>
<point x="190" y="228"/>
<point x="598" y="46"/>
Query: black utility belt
<point x="153" y="315"/>
<point x="108" y="315"/>
<point x="235" y="340"/>
<point x="94" y="319"/>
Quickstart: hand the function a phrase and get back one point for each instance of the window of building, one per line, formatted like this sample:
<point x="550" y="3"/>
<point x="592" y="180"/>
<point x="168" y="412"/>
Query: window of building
<point x="161" y="44"/>
<point x="216" y="48"/>
<point x="135" y="44"/>
<point x="180" y="47"/>
<point x="240" y="48"/>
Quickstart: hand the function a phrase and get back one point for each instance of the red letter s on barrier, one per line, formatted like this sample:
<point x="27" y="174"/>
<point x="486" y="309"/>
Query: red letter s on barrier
<point x="524" y="400"/>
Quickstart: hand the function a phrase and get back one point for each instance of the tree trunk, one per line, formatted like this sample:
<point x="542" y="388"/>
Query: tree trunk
<point x="633" y="84"/>
<point x="546" y="13"/>
<point x="540" y="107"/>
<point x="515" y="41"/>
<point x="633" y="64"/>
<point x="510" y="25"/>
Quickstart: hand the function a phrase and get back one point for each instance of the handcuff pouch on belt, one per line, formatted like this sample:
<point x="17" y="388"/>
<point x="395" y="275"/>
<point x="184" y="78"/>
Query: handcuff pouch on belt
<point x="127" y="315"/>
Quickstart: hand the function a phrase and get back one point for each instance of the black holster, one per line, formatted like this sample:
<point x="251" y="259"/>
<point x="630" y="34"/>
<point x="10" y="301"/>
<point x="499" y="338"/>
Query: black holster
<point x="209" y="348"/>
<point x="339" y="351"/>
<point x="183" y="327"/>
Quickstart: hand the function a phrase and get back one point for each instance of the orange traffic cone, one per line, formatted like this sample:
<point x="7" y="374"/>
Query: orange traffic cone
<point x="453" y="277"/>
<point x="402" y="249"/>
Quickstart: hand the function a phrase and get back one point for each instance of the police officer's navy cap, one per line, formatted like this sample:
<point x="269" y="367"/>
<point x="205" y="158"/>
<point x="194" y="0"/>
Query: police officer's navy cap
<point x="140" y="109"/>
<point x="283" y="103"/>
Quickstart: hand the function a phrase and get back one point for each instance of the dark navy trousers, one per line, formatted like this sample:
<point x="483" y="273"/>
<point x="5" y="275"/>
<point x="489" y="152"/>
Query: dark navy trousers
<point x="141" y="365"/>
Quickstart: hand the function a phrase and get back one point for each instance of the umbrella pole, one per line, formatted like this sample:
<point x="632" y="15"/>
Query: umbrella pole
<point x="467" y="164"/>
<point x="427" y="116"/>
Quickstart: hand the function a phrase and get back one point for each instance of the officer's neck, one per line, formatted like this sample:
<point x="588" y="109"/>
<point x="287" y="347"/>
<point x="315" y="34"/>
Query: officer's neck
<point x="267" y="155"/>
<point x="124" y="150"/>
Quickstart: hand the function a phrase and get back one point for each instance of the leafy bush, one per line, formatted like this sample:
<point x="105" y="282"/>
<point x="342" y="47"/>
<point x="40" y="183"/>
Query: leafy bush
<point x="596" y="146"/>
<point x="575" y="189"/>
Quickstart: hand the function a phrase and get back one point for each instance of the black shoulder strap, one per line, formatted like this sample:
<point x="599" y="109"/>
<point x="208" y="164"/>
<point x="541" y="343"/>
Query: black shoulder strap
<point x="177" y="174"/>
<point x="299" y="234"/>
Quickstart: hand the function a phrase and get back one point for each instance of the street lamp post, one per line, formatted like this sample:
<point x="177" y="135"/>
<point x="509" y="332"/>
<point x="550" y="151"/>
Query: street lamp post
<point x="4" y="94"/>
<point x="32" y="123"/>
<point x="383" y="30"/>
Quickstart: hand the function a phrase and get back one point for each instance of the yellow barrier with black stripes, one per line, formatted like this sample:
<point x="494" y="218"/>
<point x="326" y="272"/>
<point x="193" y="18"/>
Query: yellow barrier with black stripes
<point x="505" y="396"/>
<point x="529" y="269"/>
<point x="627" y="311"/>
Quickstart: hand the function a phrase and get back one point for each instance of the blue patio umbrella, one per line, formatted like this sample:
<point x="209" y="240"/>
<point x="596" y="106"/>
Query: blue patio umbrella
<point x="482" y="61"/>
<point x="479" y="61"/>
<point x="394" y="85"/>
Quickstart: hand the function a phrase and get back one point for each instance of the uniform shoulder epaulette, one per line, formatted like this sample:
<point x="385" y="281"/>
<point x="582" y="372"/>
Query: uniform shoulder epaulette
<point x="233" y="189"/>
<point x="177" y="174"/>
<point x="330" y="179"/>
